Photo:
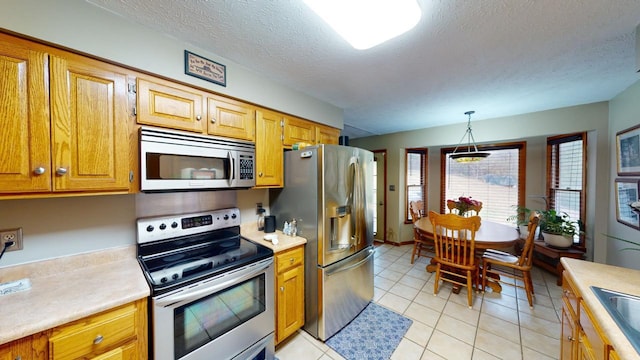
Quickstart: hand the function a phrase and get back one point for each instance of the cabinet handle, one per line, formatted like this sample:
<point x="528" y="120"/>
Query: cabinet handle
<point x="39" y="171"/>
<point x="198" y="117"/>
<point x="98" y="339"/>
<point x="61" y="171"/>
<point x="281" y="288"/>
<point x="213" y="120"/>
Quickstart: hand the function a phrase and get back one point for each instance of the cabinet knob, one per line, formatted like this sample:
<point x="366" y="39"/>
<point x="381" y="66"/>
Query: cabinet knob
<point x="292" y="260"/>
<point x="39" y="170"/>
<point x="260" y="174"/>
<point x="213" y="120"/>
<point x="61" y="171"/>
<point x="281" y="288"/>
<point x="198" y="117"/>
<point x="98" y="339"/>
<point x="570" y="338"/>
<point x="18" y="357"/>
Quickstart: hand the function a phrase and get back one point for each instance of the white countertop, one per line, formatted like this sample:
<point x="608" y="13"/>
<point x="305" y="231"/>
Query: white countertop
<point x="586" y="274"/>
<point x="251" y="232"/>
<point x="69" y="288"/>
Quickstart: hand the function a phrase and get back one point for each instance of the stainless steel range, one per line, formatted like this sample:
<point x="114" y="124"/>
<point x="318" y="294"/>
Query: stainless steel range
<point x="211" y="290"/>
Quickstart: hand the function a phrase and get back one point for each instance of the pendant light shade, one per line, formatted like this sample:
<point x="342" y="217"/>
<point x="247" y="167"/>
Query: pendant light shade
<point x="471" y="154"/>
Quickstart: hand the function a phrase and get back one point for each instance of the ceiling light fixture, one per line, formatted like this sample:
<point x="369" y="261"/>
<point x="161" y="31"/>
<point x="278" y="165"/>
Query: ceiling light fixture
<point x="367" y="23"/>
<point x="469" y="155"/>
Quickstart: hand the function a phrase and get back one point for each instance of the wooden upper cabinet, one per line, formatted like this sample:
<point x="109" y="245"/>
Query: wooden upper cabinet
<point x="298" y="130"/>
<point x="65" y="122"/>
<point x="90" y="130"/>
<point x="327" y="135"/>
<point x="230" y="118"/>
<point x="25" y="135"/>
<point x="170" y="105"/>
<point x="269" y="153"/>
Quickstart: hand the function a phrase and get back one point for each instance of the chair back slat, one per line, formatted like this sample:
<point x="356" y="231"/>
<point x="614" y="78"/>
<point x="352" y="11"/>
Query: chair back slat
<point x="526" y="258"/>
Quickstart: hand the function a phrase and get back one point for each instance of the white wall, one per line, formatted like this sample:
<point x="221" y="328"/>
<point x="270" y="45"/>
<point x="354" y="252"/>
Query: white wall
<point x="81" y="26"/>
<point x="532" y="127"/>
<point x="624" y="112"/>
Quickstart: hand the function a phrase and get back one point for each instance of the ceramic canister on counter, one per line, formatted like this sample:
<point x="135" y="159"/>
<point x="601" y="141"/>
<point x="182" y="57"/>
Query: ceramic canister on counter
<point x="270" y="223"/>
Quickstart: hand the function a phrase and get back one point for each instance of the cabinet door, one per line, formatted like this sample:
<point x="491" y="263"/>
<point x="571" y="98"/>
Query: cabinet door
<point x="226" y="117"/>
<point x="298" y="130"/>
<point x="165" y="104"/>
<point x="290" y="302"/>
<point x="327" y="135"/>
<point x="568" y="336"/>
<point x="89" y="127"/>
<point x="25" y="136"/>
<point x="18" y="349"/>
<point x="269" y="153"/>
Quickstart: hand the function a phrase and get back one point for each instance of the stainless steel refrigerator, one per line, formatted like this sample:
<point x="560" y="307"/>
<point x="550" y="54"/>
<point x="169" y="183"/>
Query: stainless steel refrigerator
<point x="328" y="189"/>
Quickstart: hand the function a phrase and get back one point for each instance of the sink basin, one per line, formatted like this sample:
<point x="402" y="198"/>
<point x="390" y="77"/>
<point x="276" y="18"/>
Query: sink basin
<point x="625" y="311"/>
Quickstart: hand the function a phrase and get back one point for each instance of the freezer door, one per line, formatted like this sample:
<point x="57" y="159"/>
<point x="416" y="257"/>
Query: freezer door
<point x="346" y="289"/>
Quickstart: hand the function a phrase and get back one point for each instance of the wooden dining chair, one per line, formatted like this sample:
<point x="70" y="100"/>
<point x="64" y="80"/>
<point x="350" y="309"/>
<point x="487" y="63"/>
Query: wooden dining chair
<point x="422" y="243"/>
<point x="454" y="237"/>
<point x="497" y="264"/>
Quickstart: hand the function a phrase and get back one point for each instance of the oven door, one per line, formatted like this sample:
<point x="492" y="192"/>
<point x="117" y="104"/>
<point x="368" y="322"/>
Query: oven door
<point x="219" y="317"/>
<point x="179" y="162"/>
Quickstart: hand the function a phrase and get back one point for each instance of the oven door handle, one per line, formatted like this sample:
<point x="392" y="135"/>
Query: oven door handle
<point x="196" y="294"/>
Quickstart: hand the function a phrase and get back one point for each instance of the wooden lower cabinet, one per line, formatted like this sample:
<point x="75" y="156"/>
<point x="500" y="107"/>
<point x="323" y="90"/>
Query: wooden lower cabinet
<point x="289" y="292"/>
<point x="582" y="337"/>
<point x="119" y="333"/>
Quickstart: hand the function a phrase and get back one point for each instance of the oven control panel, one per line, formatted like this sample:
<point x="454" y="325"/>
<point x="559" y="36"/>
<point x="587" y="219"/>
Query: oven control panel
<point x="172" y="226"/>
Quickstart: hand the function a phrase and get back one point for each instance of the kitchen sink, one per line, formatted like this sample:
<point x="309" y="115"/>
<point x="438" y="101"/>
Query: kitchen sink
<point x="625" y="311"/>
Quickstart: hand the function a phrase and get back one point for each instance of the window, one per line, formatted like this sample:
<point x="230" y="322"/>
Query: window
<point x="497" y="181"/>
<point x="566" y="174"/>
<point x="415" y="178"/>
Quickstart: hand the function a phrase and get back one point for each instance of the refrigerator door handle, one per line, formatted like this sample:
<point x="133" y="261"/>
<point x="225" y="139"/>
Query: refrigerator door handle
<point x="349" y="267"/>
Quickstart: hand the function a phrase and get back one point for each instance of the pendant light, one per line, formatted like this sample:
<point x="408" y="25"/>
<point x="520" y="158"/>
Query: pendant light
<point x="472" y="154"/>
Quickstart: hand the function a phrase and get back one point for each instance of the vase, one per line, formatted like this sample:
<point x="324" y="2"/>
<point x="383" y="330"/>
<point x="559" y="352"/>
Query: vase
<point x="524" y="231"/>
<point x="557" y="241"/>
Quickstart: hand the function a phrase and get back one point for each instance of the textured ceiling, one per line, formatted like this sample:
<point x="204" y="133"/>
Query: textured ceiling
<point x="497" y="57"/>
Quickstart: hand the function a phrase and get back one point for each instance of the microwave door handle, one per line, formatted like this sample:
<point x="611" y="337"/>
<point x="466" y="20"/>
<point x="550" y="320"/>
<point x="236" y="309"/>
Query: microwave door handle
<point x="232" y="168"/>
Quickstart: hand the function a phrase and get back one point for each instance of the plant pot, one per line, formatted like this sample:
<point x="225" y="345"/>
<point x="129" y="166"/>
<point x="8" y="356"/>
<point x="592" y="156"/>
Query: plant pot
<point x="558" y="241"/>
<point x="524" y="231"/>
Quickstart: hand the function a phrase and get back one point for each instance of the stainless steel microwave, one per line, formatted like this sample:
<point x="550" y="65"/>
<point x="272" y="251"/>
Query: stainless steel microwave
<point x="177" y="161"/>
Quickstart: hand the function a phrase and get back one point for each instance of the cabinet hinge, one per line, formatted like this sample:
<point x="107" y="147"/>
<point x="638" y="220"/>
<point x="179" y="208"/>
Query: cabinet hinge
<point x="132" y="88"/>
<point x="135" y="111"/>
<point x="281" y="123"/>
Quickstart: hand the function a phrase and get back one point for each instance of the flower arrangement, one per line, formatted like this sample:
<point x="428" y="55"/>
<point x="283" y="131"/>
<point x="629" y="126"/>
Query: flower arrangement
<point x="464" y="204"/>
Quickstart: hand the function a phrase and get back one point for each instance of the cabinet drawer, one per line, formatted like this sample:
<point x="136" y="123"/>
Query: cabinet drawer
<point x="94" y="335"/>
<point x="289" y="259"/>
<point x="569" y="295"/>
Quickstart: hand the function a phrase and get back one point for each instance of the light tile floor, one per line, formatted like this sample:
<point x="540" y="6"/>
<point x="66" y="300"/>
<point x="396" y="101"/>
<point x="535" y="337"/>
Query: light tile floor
<point x="498" y="326"/>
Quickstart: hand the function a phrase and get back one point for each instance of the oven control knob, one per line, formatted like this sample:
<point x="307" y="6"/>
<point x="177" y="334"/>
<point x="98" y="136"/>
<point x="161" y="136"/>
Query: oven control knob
<point x="150" y="228"/>
<point x="226" y="217"/>
<point x="163" y="226"/>
<point x="174" y="225"/>
<point x="233" y="216"/>
<point x="164" y="279"/>
<point x="175" y="276"/>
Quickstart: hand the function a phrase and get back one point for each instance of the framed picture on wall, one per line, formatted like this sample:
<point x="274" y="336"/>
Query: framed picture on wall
<point x="628" y="151"/>
<point x="626" y="195"/>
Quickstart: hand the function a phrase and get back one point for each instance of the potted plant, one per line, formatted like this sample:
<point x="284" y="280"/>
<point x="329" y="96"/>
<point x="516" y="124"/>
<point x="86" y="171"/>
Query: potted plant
<point x="521" y="219"/>
<point x="558" y="229"/>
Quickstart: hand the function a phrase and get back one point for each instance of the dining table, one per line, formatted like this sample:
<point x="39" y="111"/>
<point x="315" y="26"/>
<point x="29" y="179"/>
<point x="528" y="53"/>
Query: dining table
<point x="490" y="235"/>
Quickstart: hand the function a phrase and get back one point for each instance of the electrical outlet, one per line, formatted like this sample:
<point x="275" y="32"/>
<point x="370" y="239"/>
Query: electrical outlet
<point x="14" y="235"/>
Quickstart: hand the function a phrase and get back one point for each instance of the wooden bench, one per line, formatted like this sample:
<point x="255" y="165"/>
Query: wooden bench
<point x="548" y="258"/>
